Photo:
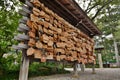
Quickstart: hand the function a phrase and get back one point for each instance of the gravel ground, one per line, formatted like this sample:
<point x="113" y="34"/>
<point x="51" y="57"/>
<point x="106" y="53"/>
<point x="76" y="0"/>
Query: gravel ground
<point x="101" y="74"/>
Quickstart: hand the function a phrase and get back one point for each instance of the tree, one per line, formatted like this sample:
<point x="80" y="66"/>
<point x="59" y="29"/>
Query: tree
<point x="95" y="8"/>
<point x="105" y="13"/>
<point x="8" y="25"/>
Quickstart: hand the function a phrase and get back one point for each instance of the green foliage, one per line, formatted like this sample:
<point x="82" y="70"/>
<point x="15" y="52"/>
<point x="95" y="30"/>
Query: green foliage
<point x="11" y="62"/>
<point x="91" y="66"/>
<point x="8" y="27"/>
<point x="110" y="23"/>
<point x="105" y="13"/>
<point x="43" y="69"/>
<point x="11" y="66"/>
<point x="8" y="24"/>
<point x="117" y="34"/>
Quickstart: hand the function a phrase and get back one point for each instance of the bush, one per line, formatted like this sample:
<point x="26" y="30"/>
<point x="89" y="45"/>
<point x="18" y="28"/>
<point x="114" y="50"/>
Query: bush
<point x="44" y="69"/>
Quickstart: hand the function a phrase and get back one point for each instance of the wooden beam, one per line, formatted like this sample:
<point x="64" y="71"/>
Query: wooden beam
<point x="75" y="69"/>
<point x="82" y="67"/>
<point x="23" y="75"/>
<point x="66" y="9"/>
<point x="87" y="28"/>
<point x="100" y="60"/>
<point x="59" y="10"/>
<point x="93" y="68"/>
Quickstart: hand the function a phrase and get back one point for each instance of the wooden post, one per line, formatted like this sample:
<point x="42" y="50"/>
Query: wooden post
<point x="78" y="66"/>
<point x="100" y="60"/>
<point x="23" y="75"/>
<point x="63" y="64"/>
<point x="82" y="67"/>
<point x="75" y="70"/>
<point x="93" y="68"/>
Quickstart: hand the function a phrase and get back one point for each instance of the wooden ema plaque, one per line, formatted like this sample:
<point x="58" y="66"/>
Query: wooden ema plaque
<point x="50" y="37"/>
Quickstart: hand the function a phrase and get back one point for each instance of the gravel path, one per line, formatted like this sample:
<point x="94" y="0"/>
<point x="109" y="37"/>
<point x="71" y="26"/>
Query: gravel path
<point x="101" y="74"/>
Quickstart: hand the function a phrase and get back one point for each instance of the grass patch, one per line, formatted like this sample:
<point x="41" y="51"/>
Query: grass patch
<point x="35" y="69"/>
<point x="10" y="75"/>
<point x="43" y="71"/>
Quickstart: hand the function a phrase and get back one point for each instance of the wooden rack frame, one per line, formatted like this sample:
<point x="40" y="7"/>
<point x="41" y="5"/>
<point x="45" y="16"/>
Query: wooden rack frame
<point x="34" y="8"/>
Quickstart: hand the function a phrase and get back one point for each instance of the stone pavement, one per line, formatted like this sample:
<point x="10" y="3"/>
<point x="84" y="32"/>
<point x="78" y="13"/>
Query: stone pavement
<point x="101" y="74"/>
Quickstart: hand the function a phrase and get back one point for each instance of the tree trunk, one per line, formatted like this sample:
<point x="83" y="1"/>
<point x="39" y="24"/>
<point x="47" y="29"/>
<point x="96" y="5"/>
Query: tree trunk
<point x="116" y="53"/>
<point x="100" y="60"/>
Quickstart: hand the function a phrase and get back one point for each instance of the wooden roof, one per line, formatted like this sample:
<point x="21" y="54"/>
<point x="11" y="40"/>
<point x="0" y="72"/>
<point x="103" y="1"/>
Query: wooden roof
<point x="71" y="12"/>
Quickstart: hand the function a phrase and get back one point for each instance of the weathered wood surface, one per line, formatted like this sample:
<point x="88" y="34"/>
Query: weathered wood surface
<point x="24" y="67"/>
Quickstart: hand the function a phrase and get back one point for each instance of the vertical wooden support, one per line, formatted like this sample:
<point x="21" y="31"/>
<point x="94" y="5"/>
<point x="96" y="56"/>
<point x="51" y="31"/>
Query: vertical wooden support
<point x="23" y="75"/>
<point x="82" y="67"/>
<point x="100" y="60"/>
<point x="75" y="70"/>
<point x="78" y="66"/>
<point x="93" y="68"/>
<point x="63" y="64"/>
